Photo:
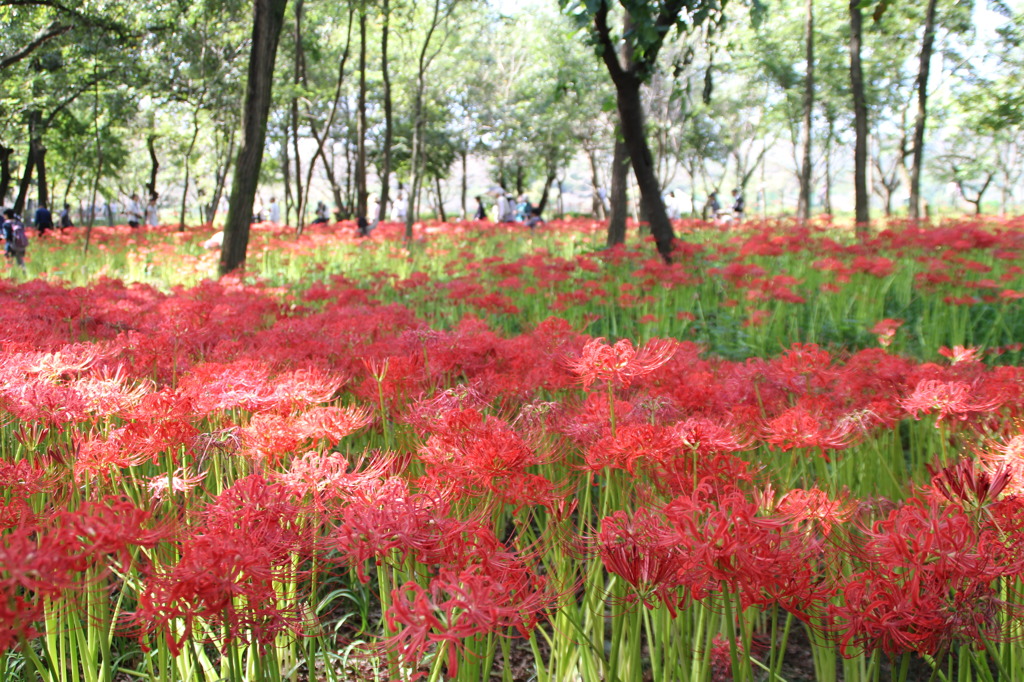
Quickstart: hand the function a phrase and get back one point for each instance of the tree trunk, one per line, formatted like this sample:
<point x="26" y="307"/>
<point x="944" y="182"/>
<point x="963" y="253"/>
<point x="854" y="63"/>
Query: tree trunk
<point x="188" y="168"/>
<point x="286" y="172"/>
<point x="552" y="174"/>
<point x="827" y="202"/>
<point x="440" y="201"/>
<point x="465" y="182"/>
<point x="154" y="164"/>
<point x="597" y="205"/>
<point x="43" y="194"/>
<point x="26" y="180"/>
<point x="631" y="119"/>
<point x="222" y="176"/>
<point x="268" y="19"/>
<point x="385" y="173"/>
<point x="361" y="191"/>
<point x="5" y="172"/>
<point x="619" y="199"/>
<point x="860" y="110"/>
<point x="99" y="169"/>
<point x="631" y="115"/>
<point x="300" y="198"/>
<point x="806" y="199"/>
<point x="418" y="121"/>
<point x="922" y="111"/>
<point x="519" y="180"/>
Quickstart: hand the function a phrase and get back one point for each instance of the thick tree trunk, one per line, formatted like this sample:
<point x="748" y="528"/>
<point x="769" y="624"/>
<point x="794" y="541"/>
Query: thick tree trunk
<point x="619" y="199"/>
<point x="806" y="199"/>
<point x="361" y="191"/>
<point x="631" y="115"/>
<point x="631" y="120"/>
<point x="860" y="111"/>
<point x="922" y="110"/>
<point x="385" y="173"/>
<point x="268" y="18"/>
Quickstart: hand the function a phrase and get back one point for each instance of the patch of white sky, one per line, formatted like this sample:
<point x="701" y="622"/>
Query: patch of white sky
<point x="986" y="23"/>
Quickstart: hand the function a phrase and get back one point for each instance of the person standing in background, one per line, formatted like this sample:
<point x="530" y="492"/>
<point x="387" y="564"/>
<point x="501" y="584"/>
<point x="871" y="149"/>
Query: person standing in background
<point x="15" y="239"/>
<point x="43" y="219"/>
<point x="134" y="212"/>
<point x="151" y="212"/>
<point x="65" y="218"/>
<point x="275" y="211"/>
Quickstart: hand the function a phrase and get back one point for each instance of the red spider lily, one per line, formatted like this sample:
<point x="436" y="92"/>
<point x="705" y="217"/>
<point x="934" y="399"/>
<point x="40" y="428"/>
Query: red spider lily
<point x="815" y="508"/>
<point x="230" y="571"/>
<point x="389" y="519"/>
<point x="109" y="527"/>
<point x="333" y="478"/>
<point x="959" y="354"/>
<point x="132" y="444"/>
<point x="473" y="456"/>
<point x="949" y="399"/>
<point x="895" y="613"/>
<point x="962" y="483"/>
<point x="631" y="546"/>
<point x="1008" y="457"/>
<point x="729" y="545"/>
<point x="33" y="565"/>
<point x="178" y="482"/>
<point x="885" y="330"/>
<point x="464" y="602"/>
<point x="332" y="423"/>
<point x="634" y="443"/>
<point x="425" y="414"/>
<point x="620" y="364"/>
<point x="799" y="428"/>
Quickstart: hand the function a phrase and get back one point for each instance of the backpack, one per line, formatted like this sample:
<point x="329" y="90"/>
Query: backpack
<point x="19" y="240"/>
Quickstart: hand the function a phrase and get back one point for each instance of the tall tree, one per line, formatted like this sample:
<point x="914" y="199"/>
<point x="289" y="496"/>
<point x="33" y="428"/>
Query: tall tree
<point x="268" y="18"/>
<point x="385" y="173"/>
<point x="860" y="112"/>
<point x="361" y="191"/>
<point x="922" y="109"/>
<point x="652" y="23"/>
<point x="804" y="208"/>
<point x="439" y="15"/>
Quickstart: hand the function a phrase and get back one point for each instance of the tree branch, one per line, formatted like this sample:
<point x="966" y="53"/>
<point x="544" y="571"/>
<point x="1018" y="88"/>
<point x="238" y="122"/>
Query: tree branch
<point x="44" y="34"/>
<point x="122" y="30"/>
<point x="604" y="37"/>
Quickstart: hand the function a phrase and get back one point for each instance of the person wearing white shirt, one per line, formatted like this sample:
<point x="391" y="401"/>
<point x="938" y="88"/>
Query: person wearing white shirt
<point x="134" y="212"/>
<point x="151" y="214"/>
<point x="275" y="211"/>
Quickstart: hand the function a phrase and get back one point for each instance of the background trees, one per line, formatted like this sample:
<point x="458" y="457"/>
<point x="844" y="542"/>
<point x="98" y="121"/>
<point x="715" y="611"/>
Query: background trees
<point x="374" y="96"/>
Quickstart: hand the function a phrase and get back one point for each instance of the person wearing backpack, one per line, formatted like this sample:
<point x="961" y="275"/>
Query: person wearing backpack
<point x="14" y="237"/>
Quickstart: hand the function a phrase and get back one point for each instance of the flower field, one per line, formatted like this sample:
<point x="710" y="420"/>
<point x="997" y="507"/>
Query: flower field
<point x="502" y="456"/>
